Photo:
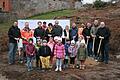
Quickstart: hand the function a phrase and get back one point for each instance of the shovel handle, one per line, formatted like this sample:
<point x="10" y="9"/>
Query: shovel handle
<point x="99" y="45"/>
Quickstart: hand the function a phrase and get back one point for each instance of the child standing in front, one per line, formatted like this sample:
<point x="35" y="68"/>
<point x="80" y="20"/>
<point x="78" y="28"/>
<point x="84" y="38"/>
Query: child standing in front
<point x="66" y="60"/>
<point x="37" y="46"/>
<point x="44" y="53"/>
<point x="30" y="52"/>
<point x="73" y="52"/>
<point x="59" y="52"/>
<point x="82" y="54"/>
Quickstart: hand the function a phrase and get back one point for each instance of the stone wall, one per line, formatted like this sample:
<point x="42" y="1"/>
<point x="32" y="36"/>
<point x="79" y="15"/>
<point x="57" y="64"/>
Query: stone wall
<point x="5" y="16"/>
<point x="26" y="8"/>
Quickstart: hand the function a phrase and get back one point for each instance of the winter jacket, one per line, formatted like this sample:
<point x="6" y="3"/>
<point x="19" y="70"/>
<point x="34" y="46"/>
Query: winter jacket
<point x="72" y="50"/>
<point x="74" y="32"/>
<point x="30" y="50"/>
<point x="82" y="53"/>
<point x="80" y="30"/>
<point x="94" y="29"/>
<point x="59" y="51"/>
<point x="51" y="45"/>
<point x="49" y="31"/>
<point x="86" y="32"/>
<point x="39" y="32"/>
<point x="14" y="32"/>
<point x="104" y="32"/>
<point x="66" y="49"/>
<point x="44" y="51"/>
<point x="67" y="35"/>
<point x="26" y="35"/>
<point x="57" y="30"/>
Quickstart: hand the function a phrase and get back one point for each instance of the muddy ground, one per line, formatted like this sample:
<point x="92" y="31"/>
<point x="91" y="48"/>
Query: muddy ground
<point x="111" y="71"/>
<point x="100" y="71"/>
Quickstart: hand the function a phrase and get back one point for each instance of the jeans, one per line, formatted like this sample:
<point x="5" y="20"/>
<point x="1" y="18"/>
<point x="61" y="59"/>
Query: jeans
<point x="12" y="52"/>
<point x="59" y="62"/>
<point x="24" y="53"/>
<point x="29" y="62"/>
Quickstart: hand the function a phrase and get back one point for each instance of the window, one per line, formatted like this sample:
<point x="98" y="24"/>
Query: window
<point x="3" y="5"/>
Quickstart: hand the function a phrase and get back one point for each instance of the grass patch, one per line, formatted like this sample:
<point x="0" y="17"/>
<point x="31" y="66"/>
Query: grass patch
<point x="5" y="26"/>
<point x="49" y="15"/>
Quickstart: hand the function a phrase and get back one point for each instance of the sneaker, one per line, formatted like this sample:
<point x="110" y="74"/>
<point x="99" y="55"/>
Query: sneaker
<point x="29" y="70"/>
<point x="60" y="69"/>
<point x="96" y="60"/>
<point x="56" y="69"/>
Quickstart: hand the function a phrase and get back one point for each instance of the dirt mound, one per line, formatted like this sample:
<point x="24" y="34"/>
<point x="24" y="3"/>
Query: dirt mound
<point x="110" y="15"/>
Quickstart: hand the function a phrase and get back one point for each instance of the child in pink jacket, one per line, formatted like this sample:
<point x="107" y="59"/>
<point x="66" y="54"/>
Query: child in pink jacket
<point x="59" y="52"/>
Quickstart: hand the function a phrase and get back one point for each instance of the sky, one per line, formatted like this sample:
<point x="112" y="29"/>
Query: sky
<point x="91" y="1"/>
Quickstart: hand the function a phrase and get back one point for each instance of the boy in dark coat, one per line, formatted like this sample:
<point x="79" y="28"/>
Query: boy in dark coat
<point x="44" y="53"/>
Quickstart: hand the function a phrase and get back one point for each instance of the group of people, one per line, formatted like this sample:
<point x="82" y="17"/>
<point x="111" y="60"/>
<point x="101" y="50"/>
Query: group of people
<point x="66" y="48"/>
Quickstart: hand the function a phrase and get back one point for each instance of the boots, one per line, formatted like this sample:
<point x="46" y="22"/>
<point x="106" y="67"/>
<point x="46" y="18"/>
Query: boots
<point x="60" y="69"/>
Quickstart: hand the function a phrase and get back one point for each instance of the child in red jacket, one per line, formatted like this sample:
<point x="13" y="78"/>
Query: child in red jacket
<point x="30" y="53"/>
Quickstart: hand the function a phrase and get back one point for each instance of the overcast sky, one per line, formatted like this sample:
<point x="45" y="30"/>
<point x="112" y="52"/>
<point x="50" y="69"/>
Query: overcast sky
<point x="91" y="1"/>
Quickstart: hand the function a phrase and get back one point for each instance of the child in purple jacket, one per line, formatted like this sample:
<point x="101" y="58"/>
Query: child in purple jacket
<point x="73" y="52"/>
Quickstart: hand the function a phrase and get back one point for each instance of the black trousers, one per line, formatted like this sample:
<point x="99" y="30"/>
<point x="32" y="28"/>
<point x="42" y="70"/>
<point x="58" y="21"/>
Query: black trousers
<point x="72" y="60"/>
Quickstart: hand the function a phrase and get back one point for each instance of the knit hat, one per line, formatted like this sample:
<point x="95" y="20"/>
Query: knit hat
<point x="59" y="39"/>
<point x="56" y="38"/>
<point x="72" y="42"/>
<point x="44" y="41"/>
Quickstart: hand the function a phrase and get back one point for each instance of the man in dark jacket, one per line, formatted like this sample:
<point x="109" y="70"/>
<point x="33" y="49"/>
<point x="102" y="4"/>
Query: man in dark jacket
<point x="74" y="32"/>
<point x="57" y="29"/>
<point x="39" y="32"/>
<point x="103" y="34"/>
<point x="44" y="53"/>
<point x="14" y="35"/>
<point x="88" y="39"/>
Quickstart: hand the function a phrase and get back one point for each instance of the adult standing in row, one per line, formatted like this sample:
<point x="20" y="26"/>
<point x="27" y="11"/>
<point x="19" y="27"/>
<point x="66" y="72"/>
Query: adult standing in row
<point x="14" y="35"/>
<point x="93" y="32"/>
<point x="57" y="29"/>
<point x="74" y="32"/>
<point x="39" y="32"/>
<point x="103" y="35"/>
<point x="26" y="34"/>
<point x="88" y="39"/>
<point x="49" y="31"/>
